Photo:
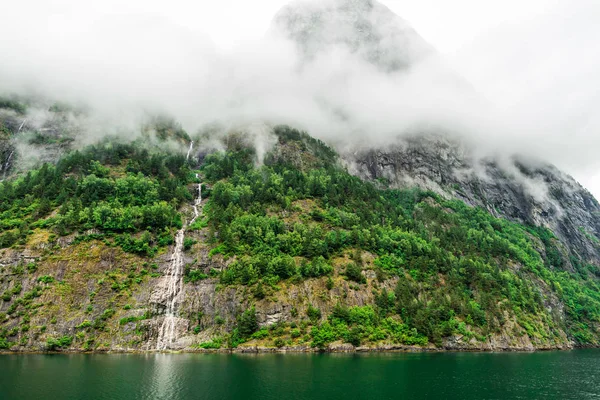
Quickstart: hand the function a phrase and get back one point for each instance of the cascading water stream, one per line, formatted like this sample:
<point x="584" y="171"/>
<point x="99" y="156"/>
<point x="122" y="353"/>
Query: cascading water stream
<point x="187" y="157"/>
<point x="172" y="284"/>
<point x="7" y="165"/>
<point x="22" y="124"/>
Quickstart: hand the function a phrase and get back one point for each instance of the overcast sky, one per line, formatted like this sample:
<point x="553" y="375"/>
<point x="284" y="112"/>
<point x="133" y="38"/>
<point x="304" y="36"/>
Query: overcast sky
<point x="537" y="60"/>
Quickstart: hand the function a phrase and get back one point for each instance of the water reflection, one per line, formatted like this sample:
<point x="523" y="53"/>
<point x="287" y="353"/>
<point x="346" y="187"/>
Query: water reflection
<point x="162" y="382"/>
<point x="553" y="375"/>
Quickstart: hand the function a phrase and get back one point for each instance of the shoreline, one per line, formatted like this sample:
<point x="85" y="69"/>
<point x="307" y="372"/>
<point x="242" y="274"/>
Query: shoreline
<point x="308" y="350"/>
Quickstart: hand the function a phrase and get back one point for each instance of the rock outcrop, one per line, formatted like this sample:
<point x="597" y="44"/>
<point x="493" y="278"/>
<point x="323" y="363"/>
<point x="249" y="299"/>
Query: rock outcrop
<point x="530" y="192"/>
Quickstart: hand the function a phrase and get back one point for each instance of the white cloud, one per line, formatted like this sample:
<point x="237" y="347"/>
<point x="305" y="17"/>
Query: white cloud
<point x="535" y="61"/>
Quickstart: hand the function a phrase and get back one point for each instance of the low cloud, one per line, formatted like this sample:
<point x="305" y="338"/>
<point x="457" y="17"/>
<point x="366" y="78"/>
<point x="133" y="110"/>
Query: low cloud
<point x="529" y="88"/>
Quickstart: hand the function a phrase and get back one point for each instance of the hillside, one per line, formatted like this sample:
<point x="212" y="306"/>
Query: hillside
<point x="102" y="250"/>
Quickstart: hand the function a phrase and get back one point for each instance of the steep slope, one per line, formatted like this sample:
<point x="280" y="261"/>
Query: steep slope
<point x="528" y="191"/>
<point x="295" y="253"/>
<point x="421" y="245"/>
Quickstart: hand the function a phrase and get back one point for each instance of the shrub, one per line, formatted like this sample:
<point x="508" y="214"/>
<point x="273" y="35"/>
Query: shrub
<point x="247" y="322"/>
<point x="329" y="283"/>
<point x="259" y="292"/>
<point x="194" y="275"/>
<point x="46" y="279"/>
<point x="322" y="335"/>
<point x="261" y="334"/>
<point x="84" y="324"/>
<point x="316" y="268"/>
<point x="62" y="342"/>
<point x="354" y="273"/>
<point x="213" y="344"/>
<point x="188" y="243"/>
<point x="313" y="313"/>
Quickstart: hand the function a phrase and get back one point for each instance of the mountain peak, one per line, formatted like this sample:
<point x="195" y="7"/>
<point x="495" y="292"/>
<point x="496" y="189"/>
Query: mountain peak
<point x="365" y="28"/>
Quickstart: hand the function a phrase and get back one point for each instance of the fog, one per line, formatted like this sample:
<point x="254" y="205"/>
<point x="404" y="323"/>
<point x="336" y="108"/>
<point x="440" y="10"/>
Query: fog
<point x="530" y="86"/>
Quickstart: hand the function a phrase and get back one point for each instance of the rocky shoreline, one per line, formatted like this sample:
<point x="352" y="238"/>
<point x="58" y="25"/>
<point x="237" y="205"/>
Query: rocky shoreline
<point x="333" y="349"/>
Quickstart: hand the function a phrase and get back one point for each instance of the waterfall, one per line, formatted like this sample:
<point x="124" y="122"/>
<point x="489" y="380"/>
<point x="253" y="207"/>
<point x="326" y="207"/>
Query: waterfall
<point x="6" y="165"/>
<point x="169" y="291"/>
<point x="21" y="127"/>
<point x="174" y="284"/>
<point x="189" y="150"/>
<point x="197" y="203"/>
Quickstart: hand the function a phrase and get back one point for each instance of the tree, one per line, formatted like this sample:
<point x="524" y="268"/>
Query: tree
<point x="247" y="322"/>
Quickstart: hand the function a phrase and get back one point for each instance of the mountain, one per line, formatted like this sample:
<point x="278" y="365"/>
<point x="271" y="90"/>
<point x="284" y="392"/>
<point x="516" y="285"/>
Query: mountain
<point x="364" y="28"/>
<point x="134" y="246"/>
<point x="531" y="192"/>
<point x="225" y="239"/>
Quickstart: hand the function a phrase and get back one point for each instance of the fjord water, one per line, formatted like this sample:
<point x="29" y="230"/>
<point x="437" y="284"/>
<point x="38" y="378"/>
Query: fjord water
<point x="545" y="375"/>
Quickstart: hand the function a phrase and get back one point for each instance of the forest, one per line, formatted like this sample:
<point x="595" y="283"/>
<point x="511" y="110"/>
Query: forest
<point x="298" y="215"/>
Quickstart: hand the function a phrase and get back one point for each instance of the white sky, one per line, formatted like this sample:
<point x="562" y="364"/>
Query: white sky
<point x="448" y="25"/>
<point x="539" y="58"/>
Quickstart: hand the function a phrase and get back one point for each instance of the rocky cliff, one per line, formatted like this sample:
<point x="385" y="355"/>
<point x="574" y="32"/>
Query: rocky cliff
<point x="529" y="191"/>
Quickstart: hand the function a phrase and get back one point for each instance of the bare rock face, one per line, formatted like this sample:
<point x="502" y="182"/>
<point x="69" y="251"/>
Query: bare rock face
<point x="362" y="27"/>
<point x="529" y="192"/>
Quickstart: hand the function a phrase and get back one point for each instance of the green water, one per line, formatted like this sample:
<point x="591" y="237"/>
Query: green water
<point x="551" y="375"/>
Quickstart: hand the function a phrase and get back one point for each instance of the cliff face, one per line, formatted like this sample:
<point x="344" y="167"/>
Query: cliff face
<point x="102" y="299"/>
<point x="530" y="192"/>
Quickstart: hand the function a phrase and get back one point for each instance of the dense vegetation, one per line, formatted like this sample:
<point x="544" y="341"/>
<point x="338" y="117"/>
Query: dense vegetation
<point x="432" y="267"/>
<point x="460" y="270"/>
<point x="121" y="191"/>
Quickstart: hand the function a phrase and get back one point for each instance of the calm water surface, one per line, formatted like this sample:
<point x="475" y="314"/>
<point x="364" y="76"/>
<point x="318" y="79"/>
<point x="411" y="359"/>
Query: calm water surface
<point x="549" y="375"/>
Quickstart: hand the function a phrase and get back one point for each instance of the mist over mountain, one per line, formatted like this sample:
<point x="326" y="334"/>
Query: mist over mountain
<point x="336" y="182"/>
<point x="125" y="66"/>
<point x="365" y="28"/>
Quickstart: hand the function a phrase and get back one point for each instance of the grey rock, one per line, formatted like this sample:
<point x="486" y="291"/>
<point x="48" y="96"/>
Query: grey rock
<point x="529" y="192"/>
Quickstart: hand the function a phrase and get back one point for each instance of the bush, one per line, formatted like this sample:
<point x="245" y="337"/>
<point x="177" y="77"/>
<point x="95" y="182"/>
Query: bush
<point x="329" y="284"/>
<point x="354" y="336"/>
<point x="316" y="268"/>
<point x="56" y="344"/>
<point x="322" y="335"/>
<point x="194" y="275"/>
<point x="188" y="243"/>
<point x="354" y="273"/>
<point x="247" y="322"/>
<point x="84" y="324"/>
<point x="313" y="313"/>
<point x="283" y="266"/>
<point x="259" y="292"/>
<point x="46" y="279"/>
<point x="261" y="334"/>
<point x="213" y="344"/>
